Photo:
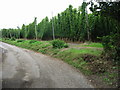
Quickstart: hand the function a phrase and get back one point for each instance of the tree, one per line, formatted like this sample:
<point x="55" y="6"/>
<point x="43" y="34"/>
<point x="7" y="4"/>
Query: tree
<point x="23" y="31"/>
<point x="35" y="22"/>
<point x="83" y="32"/>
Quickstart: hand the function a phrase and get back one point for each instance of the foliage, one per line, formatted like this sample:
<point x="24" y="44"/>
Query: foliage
<point x="111" y="39"/>
<point x="13" y="39"/>
<point x="0" y="39"/>
<point x="20" y="40"/>
<point x="107" y="7"/>
<point x="66" y="45"/>
<point x="111" y="45"/>
<point x="32" y="41"/>
<point x="77" y="25"/>
<point x="72" y="24"/>
<point x="58" y="43"/>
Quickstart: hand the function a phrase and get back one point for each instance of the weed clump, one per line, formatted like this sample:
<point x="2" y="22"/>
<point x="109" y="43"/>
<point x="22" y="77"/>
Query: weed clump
<point x="12" y="39"/>
<point x="66" y="45"/>
<point x="20" y="40"/>
<point x="59" y="44"/>
<point x="32" y="41"/>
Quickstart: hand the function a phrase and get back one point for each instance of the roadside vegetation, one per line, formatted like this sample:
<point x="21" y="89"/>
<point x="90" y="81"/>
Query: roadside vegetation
<point x="89" y="61"/>
<point x="97" y="45"/>
<point x="99" y="60"/>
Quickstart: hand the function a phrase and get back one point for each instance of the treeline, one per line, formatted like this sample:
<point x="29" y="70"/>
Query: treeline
<point x="72" y="24"/>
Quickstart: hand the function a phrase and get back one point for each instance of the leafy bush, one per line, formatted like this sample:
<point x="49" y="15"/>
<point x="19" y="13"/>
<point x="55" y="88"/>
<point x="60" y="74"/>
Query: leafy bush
<point x="66" y="45"/>
<point x="106" y="43"/>
<point x="42" y="51"/>
<point x="20" y="40"/>
<point x="58" y="43"/>
<point x="5" y="39"/>
<point x="32" y="41"/>
<point x="111" y="44"/>
<point x="12" y="39"/>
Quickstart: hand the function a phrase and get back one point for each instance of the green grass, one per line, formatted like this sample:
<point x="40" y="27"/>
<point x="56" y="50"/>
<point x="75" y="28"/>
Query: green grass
<point x="97" y="45"/>
<point x="0" y="39"/>
<point x="74" y="57"/>
<point x="85" y="51"/>
<point x="38" y="46"/>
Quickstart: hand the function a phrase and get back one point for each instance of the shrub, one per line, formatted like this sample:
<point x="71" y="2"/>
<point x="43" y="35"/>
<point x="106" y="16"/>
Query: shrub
<point x="42" y="51"/>
<point x="32" y="41"/>
<point x="111" y="44"/>
<point x="66" y="45"/>
<point x="6" y="39"/>
<point x="12" y="39"/>
<point x="58" y="43"/>
<point x="20" y="40"/>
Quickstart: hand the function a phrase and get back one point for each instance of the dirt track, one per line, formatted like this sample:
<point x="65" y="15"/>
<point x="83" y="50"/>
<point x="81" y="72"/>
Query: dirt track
<point x="23" y="68"/>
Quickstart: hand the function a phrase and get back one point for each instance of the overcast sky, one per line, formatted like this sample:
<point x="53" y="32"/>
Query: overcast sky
<point x="14" y="13"/>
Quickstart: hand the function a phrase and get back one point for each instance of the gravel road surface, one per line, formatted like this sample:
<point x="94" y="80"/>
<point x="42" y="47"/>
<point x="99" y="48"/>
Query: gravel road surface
<point x="21" y="68"/>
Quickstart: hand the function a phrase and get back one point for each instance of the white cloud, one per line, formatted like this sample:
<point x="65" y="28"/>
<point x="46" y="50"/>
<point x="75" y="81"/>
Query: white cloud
<point x="14" y="13"/>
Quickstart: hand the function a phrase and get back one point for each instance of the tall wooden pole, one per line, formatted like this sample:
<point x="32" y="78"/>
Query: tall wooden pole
<point x="35" y="27"/>
<point x="18" y="32"/>
<point x="53" y="26"/>
<point x="87" y="24"/>
<point x="25" y="33"/>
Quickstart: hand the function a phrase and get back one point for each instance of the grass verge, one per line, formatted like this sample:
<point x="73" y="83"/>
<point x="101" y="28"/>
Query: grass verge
<point x="97" y="45"/>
